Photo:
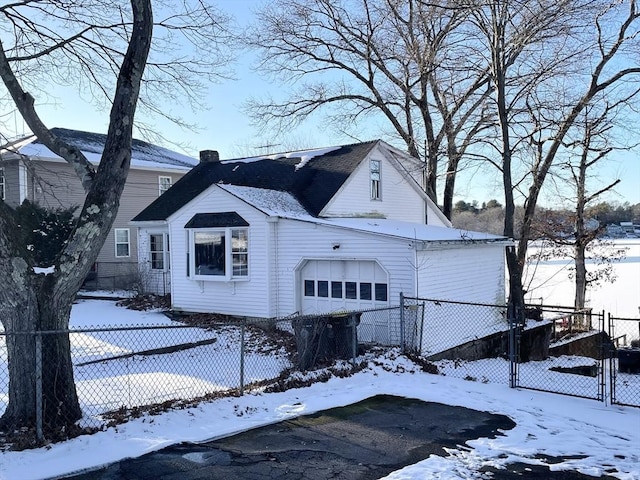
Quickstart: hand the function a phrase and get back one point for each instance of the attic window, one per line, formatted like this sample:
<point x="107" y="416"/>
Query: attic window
<point x="374" y="169"/>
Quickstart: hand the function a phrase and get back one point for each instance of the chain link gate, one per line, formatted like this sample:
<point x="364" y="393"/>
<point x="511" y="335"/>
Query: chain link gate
<point x="560" y="350"/>
<point x="624" y="361"/>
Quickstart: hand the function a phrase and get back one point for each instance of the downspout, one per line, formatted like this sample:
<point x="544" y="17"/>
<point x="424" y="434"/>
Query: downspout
<point x="273" y="221"/>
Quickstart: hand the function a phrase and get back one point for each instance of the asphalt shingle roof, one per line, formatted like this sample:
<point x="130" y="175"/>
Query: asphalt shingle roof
<point x="90" y="142"/>
<point x="312" y="184"/>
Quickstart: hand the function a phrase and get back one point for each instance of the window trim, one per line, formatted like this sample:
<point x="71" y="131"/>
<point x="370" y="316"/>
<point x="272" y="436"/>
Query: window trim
<point x="163" y="187"/>
<point x="166" y="258"/>
<point x="127" y="243"/>
<point x="229" y="254"/>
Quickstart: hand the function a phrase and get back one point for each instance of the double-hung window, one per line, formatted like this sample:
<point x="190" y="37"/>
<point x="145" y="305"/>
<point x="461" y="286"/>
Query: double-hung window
<point x="123" y="244"/>
<point x="374" y="170"/>
<point x="159" y="251"/>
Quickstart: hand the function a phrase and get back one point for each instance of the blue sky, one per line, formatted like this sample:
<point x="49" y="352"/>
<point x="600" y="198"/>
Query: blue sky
<point x="223" y="126"/>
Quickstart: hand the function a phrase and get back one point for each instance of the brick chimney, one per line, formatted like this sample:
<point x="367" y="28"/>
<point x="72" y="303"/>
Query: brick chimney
<point x="207" y="156"/>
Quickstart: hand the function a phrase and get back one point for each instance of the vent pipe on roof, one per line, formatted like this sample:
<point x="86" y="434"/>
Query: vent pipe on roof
<point x="209" y="156"/>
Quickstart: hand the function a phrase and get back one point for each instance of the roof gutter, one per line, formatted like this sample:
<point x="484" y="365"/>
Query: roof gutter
<point x="421" y="245"/>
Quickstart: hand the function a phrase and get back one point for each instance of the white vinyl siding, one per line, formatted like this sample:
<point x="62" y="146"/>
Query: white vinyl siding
<point x="397" y="200"/>
<point x="250" y="297"/>
<point x="279" y="249"/>
<point x="358" y="250"/>
<point x="473" y="273"/>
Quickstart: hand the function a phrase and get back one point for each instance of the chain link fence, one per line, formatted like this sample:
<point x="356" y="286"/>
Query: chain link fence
<point x="556" y="349"/>
<point x="126" y="370"/>
<point x="123" y="371"/>
<point x="624" y="365"/>
<point x="563" y="350"/>
<point x="461" y="339"/>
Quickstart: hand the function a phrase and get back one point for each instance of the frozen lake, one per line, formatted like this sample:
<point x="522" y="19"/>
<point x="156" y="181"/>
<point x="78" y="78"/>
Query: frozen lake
<point x="548" y="282"/>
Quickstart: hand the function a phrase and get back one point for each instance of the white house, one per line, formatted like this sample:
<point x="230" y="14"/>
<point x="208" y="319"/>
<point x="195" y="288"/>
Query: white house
<point x="314" y="231"/>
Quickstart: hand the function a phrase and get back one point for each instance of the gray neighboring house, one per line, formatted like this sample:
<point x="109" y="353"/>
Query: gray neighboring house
<point x="30" y="171"/>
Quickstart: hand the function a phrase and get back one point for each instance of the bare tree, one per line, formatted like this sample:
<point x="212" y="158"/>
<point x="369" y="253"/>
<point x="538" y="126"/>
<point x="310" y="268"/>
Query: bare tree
<point x="549" y="61"/>
<point x="407" y="62"/>
<point x="91" y="45"/>
<point x="576" y="231"/>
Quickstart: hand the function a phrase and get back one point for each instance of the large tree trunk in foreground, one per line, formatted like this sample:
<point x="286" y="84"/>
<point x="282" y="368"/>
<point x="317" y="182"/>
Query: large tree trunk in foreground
<point x="40" y="362"/>
<point x="32" y="305"/>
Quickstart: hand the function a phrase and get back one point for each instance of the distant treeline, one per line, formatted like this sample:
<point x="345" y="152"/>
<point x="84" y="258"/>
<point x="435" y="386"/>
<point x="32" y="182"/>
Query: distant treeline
<point x="489" y="216"/>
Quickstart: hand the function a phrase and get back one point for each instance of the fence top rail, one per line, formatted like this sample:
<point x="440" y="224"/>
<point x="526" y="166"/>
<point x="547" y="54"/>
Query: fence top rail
<point x="108" y="328"/>
<point x="563" y="308"/>
<point x="455" y="302"/>
<point x="623" y="319"/>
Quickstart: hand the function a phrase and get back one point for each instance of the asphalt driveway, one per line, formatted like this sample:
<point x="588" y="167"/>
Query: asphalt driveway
<point x="366" y="440"/>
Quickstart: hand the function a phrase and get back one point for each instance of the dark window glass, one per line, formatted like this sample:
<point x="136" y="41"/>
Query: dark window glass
<point x="323" y="288"/>
<point x="209" y="250"/>
<point x="336" y="289"/>
<point x="309" y="288"/>
<point x="381" y="292"/>
<point x="350" y="290"/>
<point x="365" y="291"/>
<point x="157" y="251"/>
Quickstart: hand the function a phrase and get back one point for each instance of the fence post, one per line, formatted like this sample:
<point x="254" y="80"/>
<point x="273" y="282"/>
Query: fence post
<point x="38" y="359"/>
<point x="512" y="345"/>
<point x="242" y="340"/>
<point x="354" y="340"/>
<point x="604" y="353"/>
<point x="401" y="322"/>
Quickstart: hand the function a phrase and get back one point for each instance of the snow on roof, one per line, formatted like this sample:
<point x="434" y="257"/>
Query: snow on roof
<point x="272" y="202"/>
<point x="143" y="154"/>
<point x="285" y="205"/>
<point x="303" y="155"/>
<point x="413" y="231"/>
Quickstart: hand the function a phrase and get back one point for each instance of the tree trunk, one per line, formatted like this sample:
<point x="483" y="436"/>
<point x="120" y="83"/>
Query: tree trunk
<point x="581" y="277"/>
<point x="39" y="360"/>
<point x="33" y="305"/>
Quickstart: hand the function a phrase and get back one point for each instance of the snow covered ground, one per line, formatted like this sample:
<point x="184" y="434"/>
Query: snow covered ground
<point x="607" y="436"/>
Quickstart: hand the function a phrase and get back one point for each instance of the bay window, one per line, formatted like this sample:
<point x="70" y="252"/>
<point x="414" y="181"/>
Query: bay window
<point x="220" y="253"/>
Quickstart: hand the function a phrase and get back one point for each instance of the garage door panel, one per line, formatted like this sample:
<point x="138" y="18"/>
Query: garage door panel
<point x="333" y="285"/>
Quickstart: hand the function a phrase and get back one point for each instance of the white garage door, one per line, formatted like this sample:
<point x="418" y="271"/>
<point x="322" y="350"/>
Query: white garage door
<point x="334" y="285"/>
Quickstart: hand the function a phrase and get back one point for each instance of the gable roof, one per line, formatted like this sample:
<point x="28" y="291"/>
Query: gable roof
<point x="143" y="154"/>
<point x="312" y="176"/>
